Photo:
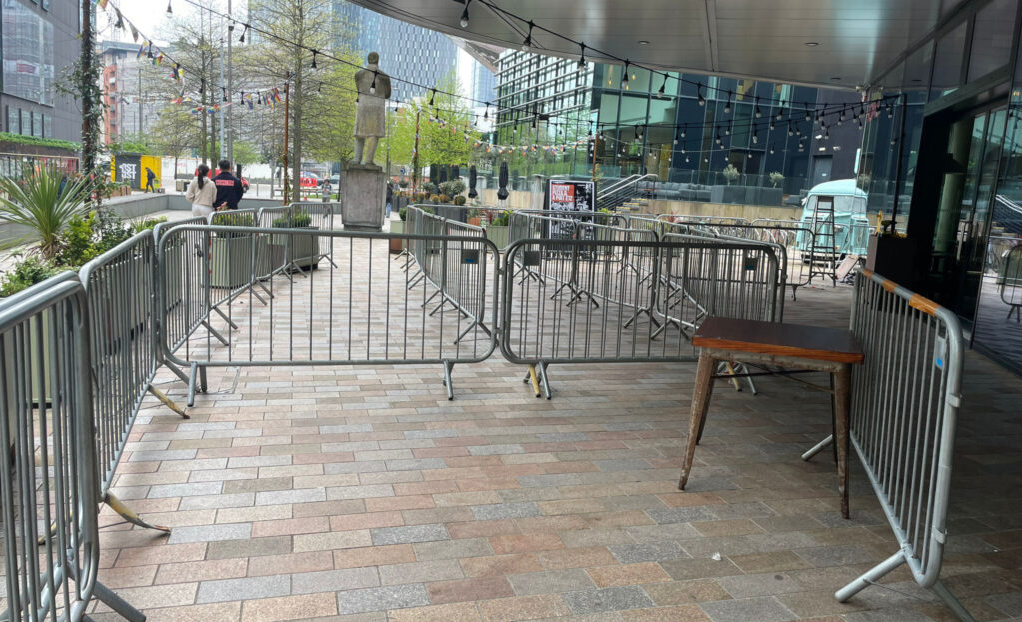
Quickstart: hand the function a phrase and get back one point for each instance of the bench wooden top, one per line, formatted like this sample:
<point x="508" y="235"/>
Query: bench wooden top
<point x="795" y="340"/>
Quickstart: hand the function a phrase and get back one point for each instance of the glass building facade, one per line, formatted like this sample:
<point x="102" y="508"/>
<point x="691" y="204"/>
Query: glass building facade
<point x="945" y="162"/>
<point x="654" y="125"/>
<point x="409" y="51"/>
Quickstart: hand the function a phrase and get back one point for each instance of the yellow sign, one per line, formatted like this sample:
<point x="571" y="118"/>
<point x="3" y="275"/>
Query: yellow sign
<point x="151" y="170"/>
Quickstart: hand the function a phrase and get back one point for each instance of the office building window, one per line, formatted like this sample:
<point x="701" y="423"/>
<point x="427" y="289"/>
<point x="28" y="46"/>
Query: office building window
<point x="37" y="124"/>
<point x="27" y="54"/>
<point x="26" y="123"/>
<point x="13" y="120"/>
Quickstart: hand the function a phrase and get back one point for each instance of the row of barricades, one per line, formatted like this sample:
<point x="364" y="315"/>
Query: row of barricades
<point x="84" y="349"/>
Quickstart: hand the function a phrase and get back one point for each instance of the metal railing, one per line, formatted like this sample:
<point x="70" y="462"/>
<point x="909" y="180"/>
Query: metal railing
<point x="351" y="313"/>
<point x="287" y="253"/>
<point x="905" y="400"/>
<point x="48" y="483"/>
<point x="125" y="353"/>
<point x="626" y="300"/>
<point x="1009" y="282"/>
<point x="623" y="191"/>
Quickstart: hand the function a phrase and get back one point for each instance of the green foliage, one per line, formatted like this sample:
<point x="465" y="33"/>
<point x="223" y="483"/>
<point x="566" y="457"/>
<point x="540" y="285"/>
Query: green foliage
<point x="43" y="202"/>
<point x="434" y="198"/>
<point x="731" y="174"/>
<point x="7" y="137"/>
<point x="425" y="209"/>
<point x="460" y="200"/>
<point x="403" y="213"/>
<point x="227" y="219"/>
<point x="26" y="273"/>
<point x="429" y="187"/>
<point x="296" y="220"/>
<point x="501" y="219"/>
<point x="776" y="178"/>
<point x="147" y="224"/>
<point x="452" y="188"/>
<point x="437" y="143"/>
<point x="76" y="243"/>
<point x="134" y="144"/>
<point x="245" y="153"/>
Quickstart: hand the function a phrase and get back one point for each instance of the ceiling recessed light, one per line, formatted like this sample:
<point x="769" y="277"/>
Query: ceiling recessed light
<point x="812" y="44"/>
<point x="643" y="42"/>
<point x="835" y="78"/>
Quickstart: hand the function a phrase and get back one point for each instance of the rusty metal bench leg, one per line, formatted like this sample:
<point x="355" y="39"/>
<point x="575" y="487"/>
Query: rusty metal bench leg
<point x="701" y="392"/>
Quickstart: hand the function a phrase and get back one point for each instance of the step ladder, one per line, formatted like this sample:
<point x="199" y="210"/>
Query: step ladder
<point x="823" y="255"/>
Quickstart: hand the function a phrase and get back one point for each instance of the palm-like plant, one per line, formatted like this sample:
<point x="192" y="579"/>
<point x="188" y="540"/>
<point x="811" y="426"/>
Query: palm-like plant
<point x="43" y="202"/>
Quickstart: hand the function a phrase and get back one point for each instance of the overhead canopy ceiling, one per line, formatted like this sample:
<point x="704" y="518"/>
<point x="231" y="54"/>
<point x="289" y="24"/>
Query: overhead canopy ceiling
<point x="765" y="39"/>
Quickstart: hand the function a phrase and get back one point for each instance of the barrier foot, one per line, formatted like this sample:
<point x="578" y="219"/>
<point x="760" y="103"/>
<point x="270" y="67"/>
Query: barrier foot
<point x="535" y="380"/>
<point x="543" y="378"/>
<point x="129" y="515"/>
<point x="952" y="603"/>
<point x="227" y="319"/>
<point x="447" y="380"/>
<point x="194" y="372"/>
<point x="166" y="401"/>
<point x="106" y="596"/>
<point x="871" y="576"/>
<point x="216" y="334"/>
<point x="817" y="448"/>
<point x="731" y="371"/>
<point x="176" y="371"/>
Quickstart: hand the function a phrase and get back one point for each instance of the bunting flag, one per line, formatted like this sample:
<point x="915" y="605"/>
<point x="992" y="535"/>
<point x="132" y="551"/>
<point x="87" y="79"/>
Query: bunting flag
<point x="102" y="4"/>
<point x="141" y="49"/>
<point x="276" y="94"/>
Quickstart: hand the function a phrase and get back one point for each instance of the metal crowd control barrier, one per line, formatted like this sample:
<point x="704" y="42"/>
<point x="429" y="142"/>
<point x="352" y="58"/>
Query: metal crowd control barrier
<point x="682" y="281"/>
<point x="286" y="253"/>
<point x="1009" y="282"/>
<point x="48" y="484"/>
<point x="354" y="313"/>
<point x="238" y="260"/>
<point x="905" y="401"/>
<point x="125" y="353"/>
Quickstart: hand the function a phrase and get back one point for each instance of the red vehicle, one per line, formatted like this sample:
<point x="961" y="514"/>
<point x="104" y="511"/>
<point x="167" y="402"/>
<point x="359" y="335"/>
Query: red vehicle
<point x="309" y="180"/>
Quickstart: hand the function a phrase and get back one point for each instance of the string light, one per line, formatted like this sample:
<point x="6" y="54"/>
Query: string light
<point x="464" y="15"/>
<point x="170" y="9"/>
<point x="699" y="92"/>
<point x="727" y="105"/>
<point x="663" y="86"/>
<point x="242" y="39"/>
<point x="432" y="96"/>
<point x="372" y="87"/>
<point x="314" y="63"/>
<point x="624" y="78"/>
<point x="527" y="45"/>
<point x="582" y="58"/>
<point x="758" y="113"/>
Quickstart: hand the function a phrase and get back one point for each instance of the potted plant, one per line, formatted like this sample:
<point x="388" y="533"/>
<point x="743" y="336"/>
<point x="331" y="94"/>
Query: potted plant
<point x="497" y="230"/>
<point x="301" y="250"/>
<point x="398" y="226"/>
<point x="234" y="254"/>
<point x="473" y="214"/>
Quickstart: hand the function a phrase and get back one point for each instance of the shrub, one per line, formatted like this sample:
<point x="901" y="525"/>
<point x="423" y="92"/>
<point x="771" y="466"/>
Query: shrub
<point x="403" y="213"/>
<point x="502" y="219"/>
<point x="434" y="198"/>
<point x="296" y="220"/>
<point x="453" y="187"/>
<point x="44" y="201"/>
<point x="444" y="198"/>
<point x="731" y="174"/>
<point x="26" y="273"/>
<point x="429" y="187"/>
<point x="460" y="200"/>
<point x="147" y="224"/>
<point x="776" y="178"/>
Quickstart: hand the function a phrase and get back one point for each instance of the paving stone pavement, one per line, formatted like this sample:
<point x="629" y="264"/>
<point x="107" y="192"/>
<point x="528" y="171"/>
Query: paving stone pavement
<point x="362" y="494"/>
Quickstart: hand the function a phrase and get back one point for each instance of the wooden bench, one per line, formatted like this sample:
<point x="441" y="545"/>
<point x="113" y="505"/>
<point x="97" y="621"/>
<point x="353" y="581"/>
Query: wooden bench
<point x="790" y="346"/>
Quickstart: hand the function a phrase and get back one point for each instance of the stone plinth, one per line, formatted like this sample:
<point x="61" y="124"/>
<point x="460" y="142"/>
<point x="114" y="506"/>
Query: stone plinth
<point x="364" y="188"/>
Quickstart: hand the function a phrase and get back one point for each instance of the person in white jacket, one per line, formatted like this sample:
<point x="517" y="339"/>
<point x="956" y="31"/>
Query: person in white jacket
<point x="201" y="192"/>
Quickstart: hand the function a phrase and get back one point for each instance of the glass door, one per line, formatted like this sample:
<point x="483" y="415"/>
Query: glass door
<point x="967" y="194"/>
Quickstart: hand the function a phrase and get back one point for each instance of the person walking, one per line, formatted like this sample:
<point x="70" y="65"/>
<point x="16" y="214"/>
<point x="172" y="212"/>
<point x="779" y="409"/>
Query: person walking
<point x="228" y="188"/>
<point x="201" y="193"/>
<point x="390" y="198"/>
<point x="150" y="176"/>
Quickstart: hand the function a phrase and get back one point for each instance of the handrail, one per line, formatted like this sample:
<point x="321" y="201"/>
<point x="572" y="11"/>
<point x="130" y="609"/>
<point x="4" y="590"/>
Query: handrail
<point x="621" y="192"/>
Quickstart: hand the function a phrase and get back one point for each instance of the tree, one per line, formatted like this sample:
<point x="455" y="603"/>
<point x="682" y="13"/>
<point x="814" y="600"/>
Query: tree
<point x="330" y="124"/>
<point x="291" y="29"/>
<point x="245" y="153"/>
<point x="443" y="139"/>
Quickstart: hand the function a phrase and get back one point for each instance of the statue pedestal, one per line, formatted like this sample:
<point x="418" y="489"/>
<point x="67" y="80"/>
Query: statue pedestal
<point x="364" y="188"/>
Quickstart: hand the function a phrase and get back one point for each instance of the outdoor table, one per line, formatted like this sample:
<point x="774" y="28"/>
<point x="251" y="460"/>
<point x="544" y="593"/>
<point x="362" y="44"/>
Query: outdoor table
<point x="790" y="346"/>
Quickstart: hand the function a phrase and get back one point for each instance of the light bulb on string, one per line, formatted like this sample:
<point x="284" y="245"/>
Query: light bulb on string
<point x="683" y="131"/>
<point x="755" y="138"/>
<point x="727" y="105"/>
<point x="757" y="111"/>
<point x="771" y="149"/>
<point x="170" y="9"/>
<point x="432" y="96"/>
<point x="582" y="58"/>
<point x="790" y="131"/>
<point x="243" y="32"/>
<point x="464" y="15"/>
<point x="314" y="65"/>
<point x="809" y="117"/>
<point x="624" y="77"/>
<point x="663" y="86"/>
<point x="527" y="44"/>
<point x="771" y="126"/>
<point x="779" y="114"/>
<point x="699" y="92"/>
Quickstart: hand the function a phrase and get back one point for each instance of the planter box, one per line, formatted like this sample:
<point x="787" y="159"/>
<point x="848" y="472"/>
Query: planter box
<point x="727" y="194"/>
<point x="232" y="260"/>
<point x="397" y="226"/>
<point x="474" y="220"/>
<point x="300" y="250"/>
<point x="32" y="346"/>
<point x="497" y="235"/>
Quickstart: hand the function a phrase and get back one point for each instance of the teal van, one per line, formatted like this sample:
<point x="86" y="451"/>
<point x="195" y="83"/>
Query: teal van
<point x="851" y="223"/>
